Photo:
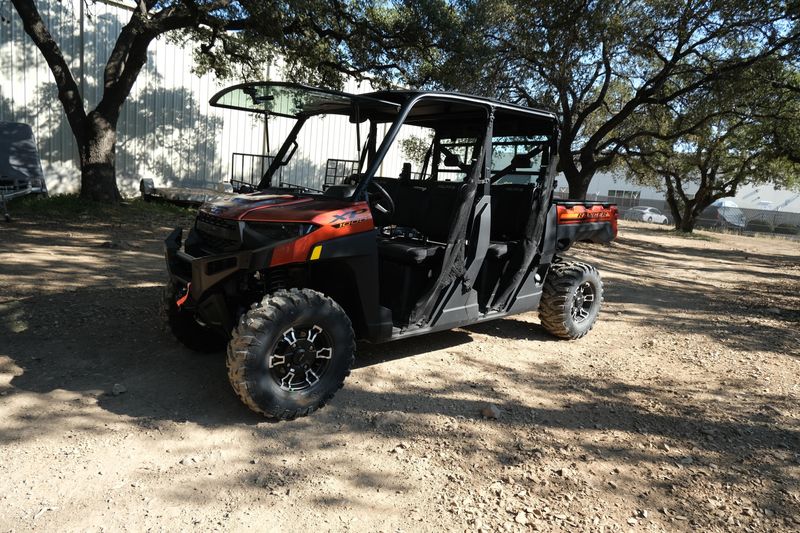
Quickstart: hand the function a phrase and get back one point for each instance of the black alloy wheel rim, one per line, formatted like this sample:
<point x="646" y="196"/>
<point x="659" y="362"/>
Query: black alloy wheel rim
<point x="301" y="357"/>
<point x="582" y="302"/>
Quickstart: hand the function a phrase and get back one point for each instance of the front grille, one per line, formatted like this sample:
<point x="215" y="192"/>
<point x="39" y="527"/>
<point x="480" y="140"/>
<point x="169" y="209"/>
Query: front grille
<point x="217" y="244"/>
<point x="218" y="234"/>
<point x="224" y="223"/>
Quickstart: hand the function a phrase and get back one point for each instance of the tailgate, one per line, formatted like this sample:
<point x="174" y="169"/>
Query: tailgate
<point x="585" y="222"/>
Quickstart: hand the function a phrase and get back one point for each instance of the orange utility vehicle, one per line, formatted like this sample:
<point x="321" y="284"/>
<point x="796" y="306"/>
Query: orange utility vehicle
<point x="292" y="270"/>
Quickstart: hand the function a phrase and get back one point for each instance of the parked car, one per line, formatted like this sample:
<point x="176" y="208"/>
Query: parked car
<point x="646" y="214"/>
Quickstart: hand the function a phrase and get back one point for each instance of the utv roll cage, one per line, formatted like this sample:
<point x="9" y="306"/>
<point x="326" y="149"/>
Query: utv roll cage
<point x="482" y="119"/>
<point x="417" y="108"/>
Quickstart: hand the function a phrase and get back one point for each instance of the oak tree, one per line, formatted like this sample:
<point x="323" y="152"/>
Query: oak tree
<point x="709" y="144"/>
<point x="231" y="37"/>
<point x="598" y="63"/>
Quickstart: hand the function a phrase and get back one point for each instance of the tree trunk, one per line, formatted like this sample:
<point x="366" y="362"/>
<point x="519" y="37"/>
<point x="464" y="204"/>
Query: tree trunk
<point x="673" y="203"/>
<point x="675" y="210"/>
<point x="98" y="162"/>
<point x="578" y="184"/>
<point x="686" y="224"/>
<point x="578" y="192"/>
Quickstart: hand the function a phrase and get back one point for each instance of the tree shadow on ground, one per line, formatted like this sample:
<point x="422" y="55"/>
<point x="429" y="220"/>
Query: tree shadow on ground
<point x="65" y="347"/>
<point x="659" y="284"/>
<point x="82" y="342"/>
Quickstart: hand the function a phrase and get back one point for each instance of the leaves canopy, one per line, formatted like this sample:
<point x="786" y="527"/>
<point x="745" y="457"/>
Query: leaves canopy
<point x="597" y="62"/>
<point x="709" y="143"/>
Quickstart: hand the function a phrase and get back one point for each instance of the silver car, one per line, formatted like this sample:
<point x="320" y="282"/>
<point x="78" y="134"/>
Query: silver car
<point x="646" y="214"/>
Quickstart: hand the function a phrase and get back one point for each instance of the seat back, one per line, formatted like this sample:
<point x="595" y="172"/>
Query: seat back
<point x="511" y="208"/>
<point x="435" y="220"/>
<point x="428" y="207"/>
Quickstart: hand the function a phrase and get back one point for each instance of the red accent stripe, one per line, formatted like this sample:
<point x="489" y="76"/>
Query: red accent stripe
<point x="182" y="299"/>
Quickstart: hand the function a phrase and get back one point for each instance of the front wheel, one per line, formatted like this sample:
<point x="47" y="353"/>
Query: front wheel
<point x="571" y="299"/>
<point x="183" y="325"/>
<point x="291" y="353"/>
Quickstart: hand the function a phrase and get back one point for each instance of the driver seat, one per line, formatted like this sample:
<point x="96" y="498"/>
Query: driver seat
<point x="427" y="209"/>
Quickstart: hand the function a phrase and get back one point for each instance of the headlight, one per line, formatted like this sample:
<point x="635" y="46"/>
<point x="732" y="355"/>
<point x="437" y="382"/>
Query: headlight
<point x="256" y="234"/>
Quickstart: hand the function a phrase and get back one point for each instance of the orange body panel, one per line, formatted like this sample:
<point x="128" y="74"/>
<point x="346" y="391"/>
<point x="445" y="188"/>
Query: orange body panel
<point x="579" y="214"/>
<point x="332" y="217"/>
<point x="356" y="218"/>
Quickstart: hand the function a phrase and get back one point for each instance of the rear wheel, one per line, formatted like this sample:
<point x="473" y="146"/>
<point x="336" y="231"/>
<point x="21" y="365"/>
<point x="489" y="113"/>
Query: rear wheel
<point x="185" y="328"/>
<point x="291" y="353"/>
<point x="571" y="299"/>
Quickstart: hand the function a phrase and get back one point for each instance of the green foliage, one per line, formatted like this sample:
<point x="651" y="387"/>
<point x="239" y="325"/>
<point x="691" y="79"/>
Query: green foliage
<point x="321" y="42"/>
<point x="598" y="64"/>
<point x="712" y="142"/>
<point x="73" y="206"/>
<point x="415" y="149"/>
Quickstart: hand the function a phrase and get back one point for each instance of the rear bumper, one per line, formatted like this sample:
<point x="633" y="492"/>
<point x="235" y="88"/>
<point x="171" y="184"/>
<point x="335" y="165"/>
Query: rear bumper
<point x="584" y="222"/>
<point x="204" y="272"/>
<point x="596" y="232"/>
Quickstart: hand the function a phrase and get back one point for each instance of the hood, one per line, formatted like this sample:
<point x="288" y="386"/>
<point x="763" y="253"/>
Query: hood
<point x="233" y="207"/>
<point x="263" y="207"/>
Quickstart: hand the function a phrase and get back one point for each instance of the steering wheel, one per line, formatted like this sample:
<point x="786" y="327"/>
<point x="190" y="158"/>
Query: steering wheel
<point x="382" y="201"/>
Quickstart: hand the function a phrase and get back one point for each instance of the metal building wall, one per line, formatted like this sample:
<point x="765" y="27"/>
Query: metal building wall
<point x="167" y="130"/>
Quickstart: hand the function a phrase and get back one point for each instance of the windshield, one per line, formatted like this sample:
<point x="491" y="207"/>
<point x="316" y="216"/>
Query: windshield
<point x="326" y="151"/>
<point x="517" y="159"/>
<point x="292" y="100"/>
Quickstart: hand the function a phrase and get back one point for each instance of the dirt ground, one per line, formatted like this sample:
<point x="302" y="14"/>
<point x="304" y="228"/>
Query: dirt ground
<point x="678" y="412"/>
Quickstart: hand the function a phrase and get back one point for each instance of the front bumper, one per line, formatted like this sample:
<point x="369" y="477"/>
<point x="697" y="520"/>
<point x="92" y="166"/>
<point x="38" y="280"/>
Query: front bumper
<point x="206" y="271"/>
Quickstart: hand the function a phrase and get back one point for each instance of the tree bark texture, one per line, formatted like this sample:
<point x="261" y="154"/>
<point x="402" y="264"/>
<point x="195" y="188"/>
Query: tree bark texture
<point x="98" y="162"/>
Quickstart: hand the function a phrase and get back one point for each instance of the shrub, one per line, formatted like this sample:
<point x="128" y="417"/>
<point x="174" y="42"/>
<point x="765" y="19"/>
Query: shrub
<point x="787" y="229"/>
<point x="758" y="225"/>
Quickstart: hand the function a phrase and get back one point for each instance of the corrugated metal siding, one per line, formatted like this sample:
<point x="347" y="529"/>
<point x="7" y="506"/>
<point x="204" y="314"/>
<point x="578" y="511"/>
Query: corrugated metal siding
<point x="167" y="130"/>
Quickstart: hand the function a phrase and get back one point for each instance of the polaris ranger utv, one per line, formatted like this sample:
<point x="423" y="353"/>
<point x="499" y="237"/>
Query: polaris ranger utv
<point x="291" y="271"/>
